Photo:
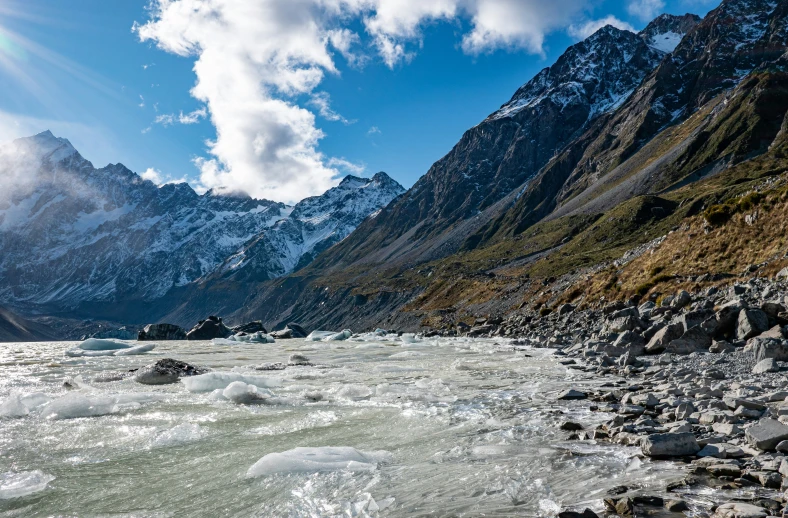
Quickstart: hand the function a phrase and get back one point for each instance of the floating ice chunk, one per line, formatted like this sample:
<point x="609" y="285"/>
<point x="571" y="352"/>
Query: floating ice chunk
<point x="339" y="337"/>
<point x="356" y="392"/>
<point x="13" y="407"/>
<point x="244" y="394"/>
<point x="409" y="338"/>
<point x="183" y="433"/>
<point x="406" y="354"/>
<point x="217" y="395"/>
<point x="221" y="380"/>
<point x="15" y="485"/>
<point x="140" y="349"/>
<point x="76" y="405"/>
<point x="127" y="351"/>
<point x="319" y="336"/>
<point x="254" y="338"/>
<point x="97" y="344"/>
<point x="314" y="460"/>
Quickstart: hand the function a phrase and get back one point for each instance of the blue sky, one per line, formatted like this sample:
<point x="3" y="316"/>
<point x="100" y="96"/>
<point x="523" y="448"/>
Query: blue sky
<point x="395" y="98"/>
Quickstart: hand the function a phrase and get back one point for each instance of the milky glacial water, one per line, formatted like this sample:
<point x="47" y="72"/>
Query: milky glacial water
<point x="470" y="427"/>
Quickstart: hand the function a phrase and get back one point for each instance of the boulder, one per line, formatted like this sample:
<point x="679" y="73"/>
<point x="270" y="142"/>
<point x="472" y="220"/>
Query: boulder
<point x="765" y="366"/>
<point x="751" y="323"/>
<point x="161" y="332"/>
<point x="772" y="309"/>
<point x="165" y="372"/>
<point x="727" y="317"/>
<point x="694" y="340"/>
<point x="670" y="445"/>
<point x="565" y="309"/>
<point x="681" y="300"/>
<point x="208" y="329"/>
<point x="775" y="332"/>
<point x="721" y="347"/>
<point x="739" y="510"/>
<point x="284" y="334"/>
<point x="250" y="328"/>
<point x="764" y="348"/>
<point x="298" y="331"/>
<point x="623" y="507"/>
<point x="663" y="337"/>
<point x="766" y="434"/>
<point x="631" y="340"/>
<point x="693" y="318"/>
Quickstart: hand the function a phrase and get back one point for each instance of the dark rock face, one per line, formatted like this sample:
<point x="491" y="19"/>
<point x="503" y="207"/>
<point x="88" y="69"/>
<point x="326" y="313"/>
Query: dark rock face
<point x="296" y="330"/>
<point x="250" y="327"/>
<point x="165" y="372"/>
<point x="161" y="332"/>
<point x="208" y="329"/>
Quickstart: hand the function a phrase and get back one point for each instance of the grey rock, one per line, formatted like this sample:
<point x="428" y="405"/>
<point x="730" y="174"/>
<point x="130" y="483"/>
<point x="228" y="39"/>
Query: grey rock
<point x="682" y="299"/>
<point x="721" y="347"/>
<point x="670" y="445"/>
<point x="766" y="434"/>
<point x="161" y="332"/>
<point x="663" y="337"/>
<point x="739" y="510"/>
<point x="763" y="348"/>
<point x="208" y="329"/>
<point x="572" y="394"/>
<point x="165" y="372"/>
<point x="691" y="341"/>
<point x="751" y="323"/>
<point x="676" y="506"/>
<point x="764" y="366"/>
<point x="250" y="328"/>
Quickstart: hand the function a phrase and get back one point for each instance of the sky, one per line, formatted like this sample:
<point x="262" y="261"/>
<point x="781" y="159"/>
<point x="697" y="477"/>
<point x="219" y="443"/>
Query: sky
<point x="281" y="98"/>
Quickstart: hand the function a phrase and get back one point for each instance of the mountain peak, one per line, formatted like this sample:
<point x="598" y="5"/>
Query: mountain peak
<point x="666" y="31"/>
<point x="45" y="146"/>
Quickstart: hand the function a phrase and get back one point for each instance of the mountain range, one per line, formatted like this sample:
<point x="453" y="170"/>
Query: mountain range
<point x="625" y="139"/>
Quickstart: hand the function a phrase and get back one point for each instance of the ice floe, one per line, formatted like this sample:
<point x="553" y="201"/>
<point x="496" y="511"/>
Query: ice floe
<point x="329" y="336"/>
<point x="244" y="394"/>
<point x="221" y="380"/>
<point x="99" y="347"/>
<point x="23" y="483"/>
<point x="314" y="460"/>
<point x="254" y="338"/>
<point x="20" y="405"/>
<point x="79" y="404"/>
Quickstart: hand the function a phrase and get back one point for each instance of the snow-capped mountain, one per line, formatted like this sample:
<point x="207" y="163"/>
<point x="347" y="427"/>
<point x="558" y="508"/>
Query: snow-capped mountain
<point x="667" y="30"/>
<point x="71" y="233"/>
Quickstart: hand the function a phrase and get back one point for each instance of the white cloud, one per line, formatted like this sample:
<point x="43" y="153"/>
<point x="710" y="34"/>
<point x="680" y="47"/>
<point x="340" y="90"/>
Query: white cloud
<point x="646" y="10"/>
<point x="255" y="58"/>
<point x="322" y="101"/>
<point x="156" y="176"/>
<point x="142" y="102"/>
<point x="347" y="166"/>
<point x="374" y="130"/>
<point x="152" y="175"/>
<point x="169" y="119"/>
<point x="584" y="30"/>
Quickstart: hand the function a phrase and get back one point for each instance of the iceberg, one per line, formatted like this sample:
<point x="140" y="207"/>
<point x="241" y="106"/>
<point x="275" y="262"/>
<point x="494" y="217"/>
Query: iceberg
<point x="16" y="485"/>
<point x="339" y="337"/>
<point x="315" y="460"/>
<point x="221" y="380"/>
<point x="140" y="349"/>
<point x="98" y="344"/>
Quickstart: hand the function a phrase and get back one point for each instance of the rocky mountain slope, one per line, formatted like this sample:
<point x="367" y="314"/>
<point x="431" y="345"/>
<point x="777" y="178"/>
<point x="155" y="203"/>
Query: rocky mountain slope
<point x="74" y="236"/>
<point x="500" y="217"/>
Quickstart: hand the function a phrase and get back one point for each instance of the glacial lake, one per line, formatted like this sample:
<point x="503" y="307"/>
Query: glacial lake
<point x="439" y="427"/>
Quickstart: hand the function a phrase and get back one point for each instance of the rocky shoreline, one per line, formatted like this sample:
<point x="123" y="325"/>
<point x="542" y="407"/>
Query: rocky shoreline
<point x="697" y="377"/>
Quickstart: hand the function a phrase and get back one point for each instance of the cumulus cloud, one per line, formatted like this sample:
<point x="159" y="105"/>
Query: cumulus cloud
<point x="584" y="30"/>
<point x="646" y="10"/>
<point x="156" y="176"/>
<point x="257" y="60"/>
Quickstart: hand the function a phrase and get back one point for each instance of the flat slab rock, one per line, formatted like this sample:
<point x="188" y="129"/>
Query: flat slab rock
<point x="572" y="394"/>
<point x="739" y="510"/>
<point x="670" y="445"/>
<point x="766" y="434"/>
